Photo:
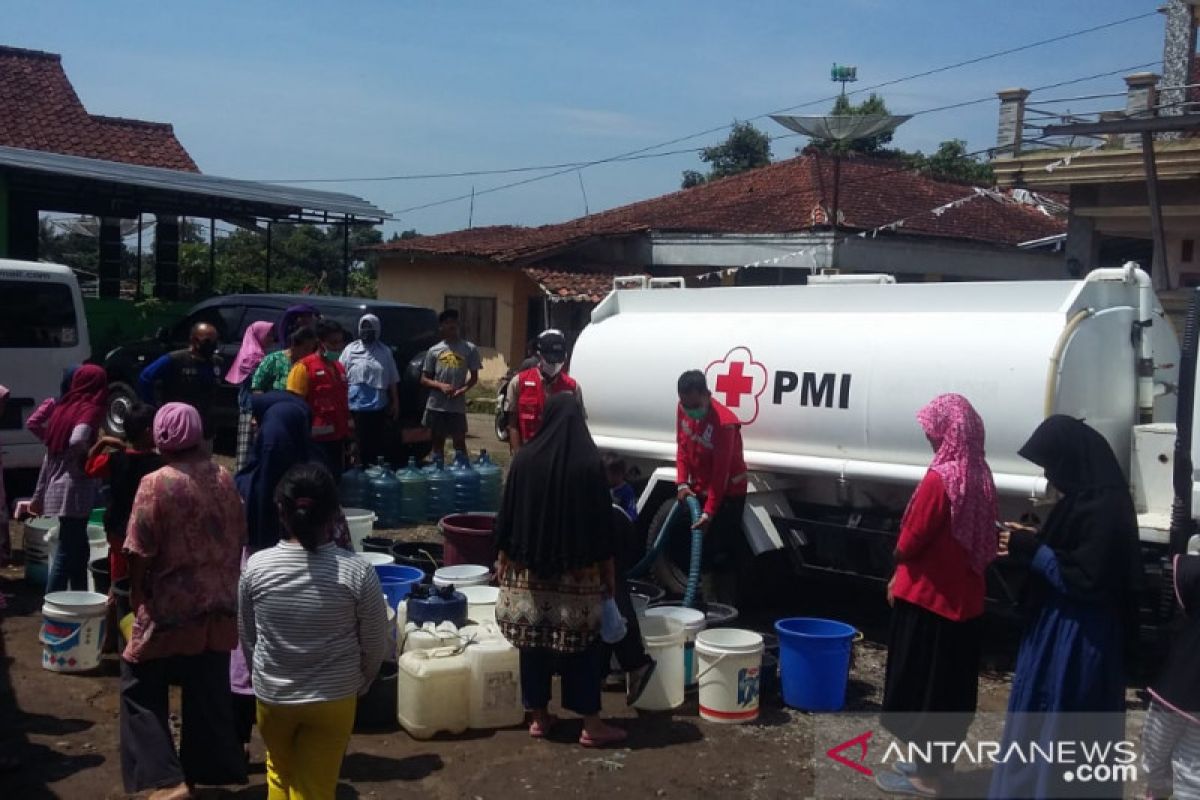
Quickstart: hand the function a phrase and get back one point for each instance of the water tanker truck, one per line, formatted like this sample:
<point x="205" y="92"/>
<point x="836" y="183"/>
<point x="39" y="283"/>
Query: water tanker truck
<point x="827" y="378"/>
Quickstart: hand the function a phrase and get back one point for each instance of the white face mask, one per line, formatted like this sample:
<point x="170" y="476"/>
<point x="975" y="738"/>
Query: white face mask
<point x="550" y="370"/>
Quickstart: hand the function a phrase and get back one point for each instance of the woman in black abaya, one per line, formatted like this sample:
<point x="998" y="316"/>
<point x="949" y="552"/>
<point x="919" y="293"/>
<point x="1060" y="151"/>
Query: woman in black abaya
<point x="554" y="535"/>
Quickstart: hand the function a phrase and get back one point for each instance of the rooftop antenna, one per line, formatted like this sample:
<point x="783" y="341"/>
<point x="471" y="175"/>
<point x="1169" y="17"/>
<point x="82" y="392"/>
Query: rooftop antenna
<point x="843" y="74"/>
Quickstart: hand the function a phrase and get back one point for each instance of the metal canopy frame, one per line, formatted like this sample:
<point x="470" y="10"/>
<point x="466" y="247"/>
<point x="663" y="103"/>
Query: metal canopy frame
<point x="87" y="185"/>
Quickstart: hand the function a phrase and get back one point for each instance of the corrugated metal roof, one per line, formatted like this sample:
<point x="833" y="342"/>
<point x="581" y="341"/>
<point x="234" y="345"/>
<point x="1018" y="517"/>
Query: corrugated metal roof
<point x="170" y="180"/>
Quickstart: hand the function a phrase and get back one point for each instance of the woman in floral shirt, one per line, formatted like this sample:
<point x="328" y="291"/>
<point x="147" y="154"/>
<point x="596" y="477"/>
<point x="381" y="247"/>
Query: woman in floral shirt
<point x="184" y="544"/>
<point x="272" y="373"/>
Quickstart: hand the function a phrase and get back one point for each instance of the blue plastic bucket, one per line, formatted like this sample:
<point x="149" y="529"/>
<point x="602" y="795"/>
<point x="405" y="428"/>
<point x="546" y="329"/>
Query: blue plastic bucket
<point x="814" y="662"/>
<point x="397" y="581"/>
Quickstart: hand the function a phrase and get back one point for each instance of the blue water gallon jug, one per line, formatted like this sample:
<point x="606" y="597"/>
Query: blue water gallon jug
<point x="414" y="486"/>
<point x="466" y="484"/>
<point x="385" y="495"/>
<point x="491" y="482"/>
<point x="439" y="498"/>
<point x="437" y="605"/>
<point x="354" y="488"/>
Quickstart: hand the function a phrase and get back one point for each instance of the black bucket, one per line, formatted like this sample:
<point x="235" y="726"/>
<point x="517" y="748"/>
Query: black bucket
<point x="376" y="709"/>
<point x="101" y="576"/>
<point x="377" y="544"/>
<point x="426" y="556"/>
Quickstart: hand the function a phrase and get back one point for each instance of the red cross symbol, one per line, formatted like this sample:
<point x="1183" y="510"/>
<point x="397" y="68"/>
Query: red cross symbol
<point x="734" y="384"/>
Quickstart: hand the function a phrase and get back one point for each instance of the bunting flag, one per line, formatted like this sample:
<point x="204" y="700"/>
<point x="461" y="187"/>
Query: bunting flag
<point x="1065" y="161"/>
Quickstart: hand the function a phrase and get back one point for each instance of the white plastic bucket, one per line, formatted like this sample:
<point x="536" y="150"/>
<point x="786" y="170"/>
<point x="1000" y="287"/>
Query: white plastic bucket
<point x="361" y="522"/>
<point x="693" y="622"/>
<point x="640" y="604"/>
<point x="40" y="536"/>
<point x="481" y="603"/>
<point x="377" y="559"/>
<point x="462" y="575"/>
<point x="728" y="665"/>
<point x="664" y="637"/>
<point x="72" y="631"/>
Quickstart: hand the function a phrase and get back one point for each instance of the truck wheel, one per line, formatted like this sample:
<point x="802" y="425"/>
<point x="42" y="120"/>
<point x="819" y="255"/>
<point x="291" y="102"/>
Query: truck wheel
<point x="121" y="398"/>
<point x="665" y="571"/>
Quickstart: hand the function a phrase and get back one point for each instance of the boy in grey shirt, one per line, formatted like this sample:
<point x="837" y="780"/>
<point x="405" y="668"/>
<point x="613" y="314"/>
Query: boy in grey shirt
<point x="451" y="369"/>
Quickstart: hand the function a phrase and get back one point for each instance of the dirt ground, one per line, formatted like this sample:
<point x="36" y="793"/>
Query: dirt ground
<point x="63" y="728"/>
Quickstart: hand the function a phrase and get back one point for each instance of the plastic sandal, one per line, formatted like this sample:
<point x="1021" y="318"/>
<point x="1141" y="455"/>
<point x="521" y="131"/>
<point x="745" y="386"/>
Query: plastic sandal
<point x="616" y="736"/>
<point x="538" y="730"/>
<point x="895" y="783"/>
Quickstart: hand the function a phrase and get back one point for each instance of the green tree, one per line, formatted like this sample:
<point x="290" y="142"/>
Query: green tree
<point x="870" y="145"/>
<point x="952" y="162"/>
<point x="745" y="148"/>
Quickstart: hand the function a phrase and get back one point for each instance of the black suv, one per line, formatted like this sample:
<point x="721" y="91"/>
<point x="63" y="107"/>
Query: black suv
<point x="408" y="330"/>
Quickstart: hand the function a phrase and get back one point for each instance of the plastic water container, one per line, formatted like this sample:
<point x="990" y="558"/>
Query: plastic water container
<point x="481" y="603"/>
<point x="353" y="488"/>
<point x="360" y="521"/>
<point x="729" y="665"/>
<point x="430" y="636"/>
<point x="664" y="637"/>
<point x="397" y="581"/>
<point x="466" y="484"/>
<point x="693" y="622"/>
<point x="495" y="700"/>
<point x="470" y="538"/>
<point x="462" y="575"/>
<point x="99" y="575"/>
<point x="414" y="486"/>
<point x="437" y="605"/>
<point x="491" y="483"/>
<point x="433" y="692"/>
<point x="385" y="497"/>
<point x="439" y="496"/>
<point x="376" y="559"/>
<point x="814" y="662"/>
<point x="428" y="556"/>
<point x="41" y="540"/>
<point x="72" y="630"/>
<point x="97" y="551"/>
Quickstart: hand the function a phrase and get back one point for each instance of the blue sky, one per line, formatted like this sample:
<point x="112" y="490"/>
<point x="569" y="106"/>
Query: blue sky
<point x="282" y="90"/>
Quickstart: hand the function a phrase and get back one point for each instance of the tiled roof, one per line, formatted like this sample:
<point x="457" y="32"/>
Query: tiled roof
<point x="39" y="110"/>
<point x="784" y="197"/>
<point x="577" y="284"/>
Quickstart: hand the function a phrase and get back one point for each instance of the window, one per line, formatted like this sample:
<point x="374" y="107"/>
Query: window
<point x="37" y="314"/>
<point x="477" y="318"/>
<point x="224" y="318"/>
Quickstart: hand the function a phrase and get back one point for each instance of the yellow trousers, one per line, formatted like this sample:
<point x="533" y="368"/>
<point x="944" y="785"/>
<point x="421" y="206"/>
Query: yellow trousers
<point x="305" y="746"/>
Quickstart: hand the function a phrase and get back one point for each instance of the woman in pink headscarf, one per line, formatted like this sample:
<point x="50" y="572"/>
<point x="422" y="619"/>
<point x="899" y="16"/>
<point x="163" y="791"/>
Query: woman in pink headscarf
<point x="256" y="341"/>
<point x="184" y="544"/>
<point x="947" y="539"/>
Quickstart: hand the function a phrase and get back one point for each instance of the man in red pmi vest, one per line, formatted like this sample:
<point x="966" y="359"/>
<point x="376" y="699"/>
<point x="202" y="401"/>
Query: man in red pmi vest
<point x="527" y="392"/>
<point x="710" y="466"/>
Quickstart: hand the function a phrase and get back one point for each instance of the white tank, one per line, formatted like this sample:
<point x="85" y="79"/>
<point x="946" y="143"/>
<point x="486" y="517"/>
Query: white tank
<point x="432" y="692"/>
<point x="827" y="379"/>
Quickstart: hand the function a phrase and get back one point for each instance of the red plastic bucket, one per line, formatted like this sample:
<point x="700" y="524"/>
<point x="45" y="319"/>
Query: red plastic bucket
<point x="470" y="539"/>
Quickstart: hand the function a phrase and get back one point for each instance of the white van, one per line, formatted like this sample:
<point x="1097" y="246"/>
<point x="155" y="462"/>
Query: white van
<point x="43" y="331"/>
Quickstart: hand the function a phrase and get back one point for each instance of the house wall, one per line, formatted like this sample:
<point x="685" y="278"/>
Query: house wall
<point x="428" y="282"/>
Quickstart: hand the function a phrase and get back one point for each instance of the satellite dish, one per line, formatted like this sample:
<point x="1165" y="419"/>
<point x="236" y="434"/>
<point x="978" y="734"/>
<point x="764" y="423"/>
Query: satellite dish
<point x="843" y="127"/>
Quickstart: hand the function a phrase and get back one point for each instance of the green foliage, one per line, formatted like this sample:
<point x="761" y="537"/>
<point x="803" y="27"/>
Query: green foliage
<point x="952" y="162"/>
<point x="871" y="145"/>
<point x="745" y="148"/>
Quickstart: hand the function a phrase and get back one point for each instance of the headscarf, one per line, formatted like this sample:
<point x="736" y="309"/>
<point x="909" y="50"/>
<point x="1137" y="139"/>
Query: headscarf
<point x="953" y="425"/>
<point x="366" y="362"/>
<point x="177" y="427"/>
<point x="254" y="348"/>
<point x="83" y="404"/>
<point x="557" y="514"/>
<point x="283" y="329"/>
<point x="1177" y="685"/>
<point x="64" y="385"/>
<point x="1093" y="529"/>
<point x="284" y="426"/>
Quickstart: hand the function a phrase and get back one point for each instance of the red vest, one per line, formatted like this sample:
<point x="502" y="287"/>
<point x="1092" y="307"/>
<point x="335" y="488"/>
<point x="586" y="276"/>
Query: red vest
<point x="531" y="398"/>
<point x="328" y="397"/>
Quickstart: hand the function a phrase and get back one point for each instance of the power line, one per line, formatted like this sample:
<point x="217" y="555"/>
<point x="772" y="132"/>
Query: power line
<point x="563" y="168"/>
<point x="514" y="184"/>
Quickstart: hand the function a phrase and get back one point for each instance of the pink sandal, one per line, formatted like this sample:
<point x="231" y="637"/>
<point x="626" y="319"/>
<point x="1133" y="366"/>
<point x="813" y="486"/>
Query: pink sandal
<point x="614" y="736"/>
<point x="539" y="729"/>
